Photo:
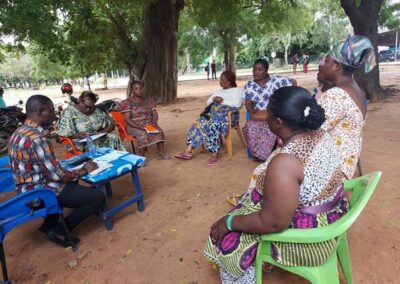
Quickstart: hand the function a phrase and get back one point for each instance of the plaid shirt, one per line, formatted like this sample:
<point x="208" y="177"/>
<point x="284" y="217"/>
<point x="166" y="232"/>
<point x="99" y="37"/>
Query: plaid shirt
<point x="34" y="163"/>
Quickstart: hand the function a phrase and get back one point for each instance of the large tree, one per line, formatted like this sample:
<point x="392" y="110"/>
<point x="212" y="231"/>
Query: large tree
<point x="93" y="35"/>
<point x="363" y="15"/>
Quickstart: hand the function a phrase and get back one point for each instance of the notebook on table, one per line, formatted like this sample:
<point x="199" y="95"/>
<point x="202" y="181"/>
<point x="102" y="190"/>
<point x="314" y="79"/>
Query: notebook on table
<point x="151" y="129"/>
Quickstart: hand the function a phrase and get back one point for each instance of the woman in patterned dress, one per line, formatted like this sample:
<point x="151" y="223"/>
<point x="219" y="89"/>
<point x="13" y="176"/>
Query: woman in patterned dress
<point x="299" y="186"/>
<point x="79" y="120"/>
<point x="139" y="112"/>
<point x="260" y="140"/>
<point x="210" y="130"/>
<point x="344" y="103"/>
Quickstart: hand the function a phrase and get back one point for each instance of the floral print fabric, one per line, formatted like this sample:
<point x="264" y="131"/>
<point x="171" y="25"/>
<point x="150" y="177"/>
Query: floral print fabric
<point x="344" y="121"/>
<point x="142" y="114"/>
<point x="260" y="140"/>
<point x="260" y="94"/>
<point x="209" y="131"/>
<point x="73" y="121"/>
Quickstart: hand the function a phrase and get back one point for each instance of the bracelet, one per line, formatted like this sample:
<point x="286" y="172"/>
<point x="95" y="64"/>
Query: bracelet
<point x="229" y="222"/>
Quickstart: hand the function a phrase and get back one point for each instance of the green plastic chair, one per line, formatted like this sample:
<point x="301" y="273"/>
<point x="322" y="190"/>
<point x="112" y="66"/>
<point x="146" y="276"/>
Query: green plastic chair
<point x="361" y="189"/>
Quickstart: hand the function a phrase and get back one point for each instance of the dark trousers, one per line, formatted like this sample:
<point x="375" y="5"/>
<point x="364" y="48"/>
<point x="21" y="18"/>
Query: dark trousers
<point x="214" y="74"/>
<point x="85" y="201"/>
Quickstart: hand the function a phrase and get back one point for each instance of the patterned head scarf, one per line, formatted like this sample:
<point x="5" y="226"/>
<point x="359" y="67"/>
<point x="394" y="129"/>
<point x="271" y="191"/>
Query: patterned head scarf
<point x="355" y="51"/>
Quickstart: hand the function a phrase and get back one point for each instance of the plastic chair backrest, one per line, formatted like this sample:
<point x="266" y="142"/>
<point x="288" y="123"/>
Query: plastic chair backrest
<point x="6" y="180"/>
<point x="120" y="120"/>
<point x="65" y="141"/>
<point x="15" y="211"/>
<point x="4" y="161"/>
<point x="6" y="177"/>
<point x="361" y="189"/>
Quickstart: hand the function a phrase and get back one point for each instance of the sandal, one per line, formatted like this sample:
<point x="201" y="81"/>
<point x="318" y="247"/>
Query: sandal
<point x="212" y="162"/>
<point x="183" y="156"/>
<point x="233" y="199"/>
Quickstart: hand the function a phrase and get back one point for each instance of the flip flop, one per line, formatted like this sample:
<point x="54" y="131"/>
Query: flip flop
<point x="233" y="199"/>
<point x="183" y="156"/>
<point x="212" y="162"/>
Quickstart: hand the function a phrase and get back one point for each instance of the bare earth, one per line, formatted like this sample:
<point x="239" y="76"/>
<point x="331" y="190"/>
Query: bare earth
<point x="164" y="243"/>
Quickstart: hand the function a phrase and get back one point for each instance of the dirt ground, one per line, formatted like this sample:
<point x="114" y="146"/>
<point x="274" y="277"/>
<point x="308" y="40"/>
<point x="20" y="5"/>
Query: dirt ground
<point x="164" y="243"/>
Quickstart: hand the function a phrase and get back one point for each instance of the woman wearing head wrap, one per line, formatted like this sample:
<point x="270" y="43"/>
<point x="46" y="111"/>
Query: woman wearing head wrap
<point x="344" y="103"/>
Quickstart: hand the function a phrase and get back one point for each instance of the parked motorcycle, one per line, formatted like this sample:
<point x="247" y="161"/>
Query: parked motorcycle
<point x="10" y="119"/>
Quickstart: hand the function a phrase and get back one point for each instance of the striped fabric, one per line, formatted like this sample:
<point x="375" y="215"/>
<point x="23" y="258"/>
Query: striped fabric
<point x="33" y="161"/>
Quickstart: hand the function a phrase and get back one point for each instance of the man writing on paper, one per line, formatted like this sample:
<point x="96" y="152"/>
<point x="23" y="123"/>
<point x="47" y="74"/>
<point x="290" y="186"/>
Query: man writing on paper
<point x="34" y="165"/>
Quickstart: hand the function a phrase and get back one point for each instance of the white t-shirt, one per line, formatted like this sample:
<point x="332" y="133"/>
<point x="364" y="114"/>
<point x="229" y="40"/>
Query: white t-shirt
<point x="233" y="97"/>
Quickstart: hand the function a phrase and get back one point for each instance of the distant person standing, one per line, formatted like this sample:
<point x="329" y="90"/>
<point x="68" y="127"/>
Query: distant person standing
<point x="207" y="69"/>
<point x="295" y="60"/>
<point x="2" y="103"/>
<point x="213" y="70"/>
<point x="306" y="59"/>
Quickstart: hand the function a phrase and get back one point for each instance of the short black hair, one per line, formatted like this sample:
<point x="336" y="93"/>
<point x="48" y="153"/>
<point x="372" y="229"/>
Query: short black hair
<point x="36" y="103"/>
<point x="134" y="82"/>
<point x="263" y="62"/>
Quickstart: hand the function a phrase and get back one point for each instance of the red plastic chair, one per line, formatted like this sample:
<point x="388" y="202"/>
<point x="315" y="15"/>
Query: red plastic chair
<point x="121" y="126"/>
<point x="69" y="144"/>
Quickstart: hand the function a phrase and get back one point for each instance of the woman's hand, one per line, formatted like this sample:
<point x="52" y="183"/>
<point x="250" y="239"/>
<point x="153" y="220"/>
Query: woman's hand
<point x="218" y="100"/>
<point x="219" y="230"/>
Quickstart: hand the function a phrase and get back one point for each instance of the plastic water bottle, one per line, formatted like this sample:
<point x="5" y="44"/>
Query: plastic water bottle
<point x="91" y="148"/>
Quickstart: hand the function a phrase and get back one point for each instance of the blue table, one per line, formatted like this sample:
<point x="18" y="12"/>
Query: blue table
<point x="123" y="163"/>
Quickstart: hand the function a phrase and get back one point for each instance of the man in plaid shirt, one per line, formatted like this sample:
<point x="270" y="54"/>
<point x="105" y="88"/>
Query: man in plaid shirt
<point x="34" y="165"/>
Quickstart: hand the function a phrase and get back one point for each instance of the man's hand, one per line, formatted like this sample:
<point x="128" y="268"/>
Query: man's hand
<point x="90" y="166"/>
<point x="82" y="135"/>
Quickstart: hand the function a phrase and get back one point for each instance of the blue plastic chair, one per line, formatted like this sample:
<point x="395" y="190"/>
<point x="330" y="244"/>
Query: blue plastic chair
<point x="4" y="161"/>
<point x="6" y="178"/>
<point x="26" y="207"/>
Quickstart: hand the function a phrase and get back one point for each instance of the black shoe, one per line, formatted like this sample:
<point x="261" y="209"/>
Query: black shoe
<point x="60" y="240"/>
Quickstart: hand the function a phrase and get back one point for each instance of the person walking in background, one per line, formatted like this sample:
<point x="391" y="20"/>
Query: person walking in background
<point x="306" y="58"/>
<point x="295" y="60"/>
<point x="213" y="70"/>
<point x="207" y="69"/>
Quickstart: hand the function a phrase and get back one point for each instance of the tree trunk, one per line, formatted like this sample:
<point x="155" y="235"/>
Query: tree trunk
<point x="230" y="57"/>
<point x="364" y="19"/>
<point x="156" y="66"/>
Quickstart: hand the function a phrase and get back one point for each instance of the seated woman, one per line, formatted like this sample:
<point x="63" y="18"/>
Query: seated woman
<point x="299" y="186"/>
<point x="140" y="113"/>
<point x="210" y="130"/>
<point x="260" y="140"/>
<point x="344" y="102"/>
<point x="82" y="119"/>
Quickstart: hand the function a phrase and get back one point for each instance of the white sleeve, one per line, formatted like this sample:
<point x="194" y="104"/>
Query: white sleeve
<point x="234" y="98"/>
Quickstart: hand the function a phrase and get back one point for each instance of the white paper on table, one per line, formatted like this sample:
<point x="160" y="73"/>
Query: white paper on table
<point x="114" y="155"/>
<point x="94" y="137"/>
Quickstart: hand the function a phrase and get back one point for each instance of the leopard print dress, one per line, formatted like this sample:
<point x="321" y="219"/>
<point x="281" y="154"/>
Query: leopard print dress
<point x="322" y="182"/>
